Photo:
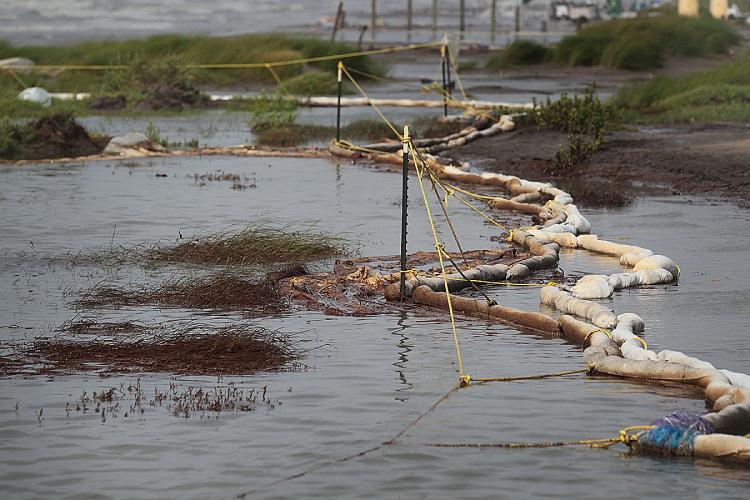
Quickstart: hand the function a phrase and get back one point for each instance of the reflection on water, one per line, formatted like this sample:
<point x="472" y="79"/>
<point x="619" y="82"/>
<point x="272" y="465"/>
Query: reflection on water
<point x="372" y="375"/>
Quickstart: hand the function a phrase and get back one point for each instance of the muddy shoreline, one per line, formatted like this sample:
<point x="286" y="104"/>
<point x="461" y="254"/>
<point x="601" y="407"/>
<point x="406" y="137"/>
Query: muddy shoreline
<point x="709" y="160"/>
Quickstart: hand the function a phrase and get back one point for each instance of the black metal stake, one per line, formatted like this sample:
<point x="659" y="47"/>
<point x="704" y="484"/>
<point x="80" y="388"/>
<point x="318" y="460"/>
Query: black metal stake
<point x="338" y="103"/>
<point x="445" y="87"/>
<point x="404" y="208"/>
<point x="448" y="71"/>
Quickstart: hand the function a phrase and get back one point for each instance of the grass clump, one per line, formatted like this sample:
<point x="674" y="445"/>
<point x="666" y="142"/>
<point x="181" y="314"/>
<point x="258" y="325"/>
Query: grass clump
<point x="584" y="118"/>
<point x="253" y="245"/>
<point x="13" y="137"/>
<point x="224" y="291"/>
<point x="271" y="111"/>
<point x="309" y="84"/>
<point x="52" y="135"/>
<point x="520" y="53"/>
<point x="152" y="85"/>
<point x="718" y="94"/>
<point x="645" y="42"/>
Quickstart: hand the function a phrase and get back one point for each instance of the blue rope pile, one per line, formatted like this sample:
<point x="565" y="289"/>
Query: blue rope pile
<point x="673" y="435"/>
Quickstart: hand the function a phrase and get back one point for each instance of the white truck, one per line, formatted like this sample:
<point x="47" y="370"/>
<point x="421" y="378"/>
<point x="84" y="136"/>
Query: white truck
<point x="580" y="12"/>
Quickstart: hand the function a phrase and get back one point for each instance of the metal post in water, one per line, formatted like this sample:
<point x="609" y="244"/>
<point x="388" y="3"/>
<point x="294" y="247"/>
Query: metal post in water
<point x="373" y="19"/>
<point x="408" y="19"/>
<point x="339" y="21"/>
<point x="493" y="20"/>
<point x="462" y="18"/>
<point x="449" y="87"/>
<point x="434" y="18"/>
<point x="445" y="85"/>
<point x="404" y="207"/>
<point x="340" y="67"/>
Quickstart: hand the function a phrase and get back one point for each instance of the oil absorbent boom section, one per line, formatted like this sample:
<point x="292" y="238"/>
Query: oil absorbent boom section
<point x="613" y="342"/>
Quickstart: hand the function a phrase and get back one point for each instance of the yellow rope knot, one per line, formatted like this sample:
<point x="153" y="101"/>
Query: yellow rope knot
<point x="464" y="381"/>
<point x="627" y="438"/>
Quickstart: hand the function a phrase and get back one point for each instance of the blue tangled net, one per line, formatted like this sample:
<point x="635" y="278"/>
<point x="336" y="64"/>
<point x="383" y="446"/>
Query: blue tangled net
<point x="674" y="434"/>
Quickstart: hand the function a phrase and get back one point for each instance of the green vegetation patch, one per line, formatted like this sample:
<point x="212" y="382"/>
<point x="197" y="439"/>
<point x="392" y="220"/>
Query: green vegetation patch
<point x="645" y="42"/>
<point x="521" y="53"/>
<point x="185" y="50"/>
<point x="309" y="84"/>
<point x="262" y="244"/>
<point x="718" y="94"/>
<point x="584" y="118"/>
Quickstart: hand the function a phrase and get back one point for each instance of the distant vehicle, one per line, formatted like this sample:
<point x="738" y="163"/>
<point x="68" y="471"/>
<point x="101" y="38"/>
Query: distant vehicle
<point x="580" y="12"/>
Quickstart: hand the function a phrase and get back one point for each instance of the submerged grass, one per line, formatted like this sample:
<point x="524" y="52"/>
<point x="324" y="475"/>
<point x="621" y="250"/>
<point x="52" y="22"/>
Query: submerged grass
<point x="236" y="349"/>
<point x="265" y="244"/>
<point x="719" y="94"/>
<point x="223" y="291"/>
<point x="645" y="42"/>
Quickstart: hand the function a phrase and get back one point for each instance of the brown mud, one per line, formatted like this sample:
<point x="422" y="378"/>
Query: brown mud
<point x="696" y="159"/>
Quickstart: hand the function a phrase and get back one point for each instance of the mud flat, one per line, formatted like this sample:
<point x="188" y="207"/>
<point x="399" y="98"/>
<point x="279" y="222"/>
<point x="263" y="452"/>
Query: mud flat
<point x="709" y="160"/>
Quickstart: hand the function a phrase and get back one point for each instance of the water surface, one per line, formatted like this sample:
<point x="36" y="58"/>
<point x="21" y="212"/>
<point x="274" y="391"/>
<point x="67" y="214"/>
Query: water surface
<point x="367" y="377"/>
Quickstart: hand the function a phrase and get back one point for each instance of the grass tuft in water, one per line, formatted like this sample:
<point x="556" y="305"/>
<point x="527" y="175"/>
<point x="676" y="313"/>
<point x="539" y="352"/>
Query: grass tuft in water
<point x="236" y="349"/>
<point x="223" y="291"/>
<point x="254" y="245"/>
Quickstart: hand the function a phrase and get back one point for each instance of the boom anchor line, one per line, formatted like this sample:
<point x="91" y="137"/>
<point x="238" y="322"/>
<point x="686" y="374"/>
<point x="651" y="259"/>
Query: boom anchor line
<point x="611" y="344"/>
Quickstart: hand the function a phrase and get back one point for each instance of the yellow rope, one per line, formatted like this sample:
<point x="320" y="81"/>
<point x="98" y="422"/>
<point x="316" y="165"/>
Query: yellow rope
<point x="458" y="78"/>
<point x="355" y="147"/>
<point x="625" y="437"/>
<point x="274" y="74"/>
<point x="476" y="196"/>
<point x="480" y="212"/>
<point x="642" y="341"/>
<point x="463" y="379"/>
<point x="369" y="101"/>
<point x="17" y="78"/>
<point x="507" y="283"/>
<point x="529" y="377"/>
<point x="305" y="60"/>
<point x="421" y="88"/>
<point x="599" y="330"/>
